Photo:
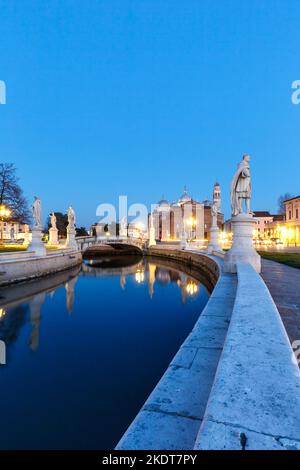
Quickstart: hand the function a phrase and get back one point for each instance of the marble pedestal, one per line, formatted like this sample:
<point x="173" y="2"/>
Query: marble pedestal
<point x="53" y="236"/>
<point x="71" y="242"/>
<point x="214" y="244"/>
<point x="242" y="247"/>
<point x="36" y="244"/>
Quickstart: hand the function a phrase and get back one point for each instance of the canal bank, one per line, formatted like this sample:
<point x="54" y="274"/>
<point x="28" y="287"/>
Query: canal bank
<point x="234" y="383"/>
<point x="24" y="266"/>
<point x="172" y="415"/>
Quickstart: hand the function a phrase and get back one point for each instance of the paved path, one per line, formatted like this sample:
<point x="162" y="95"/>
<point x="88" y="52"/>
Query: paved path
<point x="284" y="284"/>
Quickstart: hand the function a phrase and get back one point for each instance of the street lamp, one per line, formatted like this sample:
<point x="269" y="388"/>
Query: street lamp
<point x="4" y="214"/>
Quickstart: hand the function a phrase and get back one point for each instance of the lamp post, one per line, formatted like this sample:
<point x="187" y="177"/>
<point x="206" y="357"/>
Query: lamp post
<point x="4" y="214"/>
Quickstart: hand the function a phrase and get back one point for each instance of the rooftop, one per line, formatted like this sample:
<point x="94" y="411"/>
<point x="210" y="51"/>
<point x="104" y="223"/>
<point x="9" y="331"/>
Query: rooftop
<point x="292" y="199"/>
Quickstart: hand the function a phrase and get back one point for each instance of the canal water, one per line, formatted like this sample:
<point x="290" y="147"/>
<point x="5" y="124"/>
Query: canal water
<point x="86" y="347"/>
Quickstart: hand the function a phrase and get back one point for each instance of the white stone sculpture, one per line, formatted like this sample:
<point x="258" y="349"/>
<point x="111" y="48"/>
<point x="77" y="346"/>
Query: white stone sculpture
<point x="152" y="240"/>
<point x="71" y="218"/>
<point x="241" y="187"/>
<point x="214" y="244"/>
<point x="37" y="212"/>
<point x="53" y="220"/>
<point x="242" y="223"/>
<point x="53" y="232"/>
<point x="36" y="244"/>
<point x="71" y="232"/>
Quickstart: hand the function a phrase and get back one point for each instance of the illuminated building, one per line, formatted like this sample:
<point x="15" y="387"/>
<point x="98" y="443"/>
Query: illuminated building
<point x="292" y="226"/>
<point x="186" y="214"/>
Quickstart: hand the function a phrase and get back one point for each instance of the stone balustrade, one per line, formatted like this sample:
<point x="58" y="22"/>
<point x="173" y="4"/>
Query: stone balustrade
<point x="255" y="399"/>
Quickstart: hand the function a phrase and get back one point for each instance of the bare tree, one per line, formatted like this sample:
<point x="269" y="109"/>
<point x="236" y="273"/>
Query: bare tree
<point x="11" y="193"/>
<point x="281" y="199"/>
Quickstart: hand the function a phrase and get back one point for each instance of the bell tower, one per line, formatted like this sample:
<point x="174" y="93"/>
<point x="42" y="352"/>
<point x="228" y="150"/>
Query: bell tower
<point x="217" y="195"/>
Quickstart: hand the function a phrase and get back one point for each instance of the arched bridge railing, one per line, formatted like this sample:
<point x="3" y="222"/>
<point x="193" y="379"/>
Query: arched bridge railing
<point x="84" y="243"/>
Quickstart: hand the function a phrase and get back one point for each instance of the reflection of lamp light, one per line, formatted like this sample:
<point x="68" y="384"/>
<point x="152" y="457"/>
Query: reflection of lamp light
<point x="191" y="287"/>
<point x="139" y="276"/>
<point x="2" y="312"/>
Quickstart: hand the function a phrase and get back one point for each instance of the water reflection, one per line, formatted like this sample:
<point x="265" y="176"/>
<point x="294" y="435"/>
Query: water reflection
<point x="141" y="271"/>
<point x="90" y="343"/>
<point x="150" y="271"/>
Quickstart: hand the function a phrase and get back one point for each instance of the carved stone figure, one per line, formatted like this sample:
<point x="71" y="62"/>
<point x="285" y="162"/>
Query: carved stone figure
<point x="53" y="220"/>
<point x="71" y="218"/>
<point x="214" y="213"/>
<point x="241" y="187"/>
<point x="37" y="212"/>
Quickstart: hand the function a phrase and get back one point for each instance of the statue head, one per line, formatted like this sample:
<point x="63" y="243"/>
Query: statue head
<point x="246" y="158"/>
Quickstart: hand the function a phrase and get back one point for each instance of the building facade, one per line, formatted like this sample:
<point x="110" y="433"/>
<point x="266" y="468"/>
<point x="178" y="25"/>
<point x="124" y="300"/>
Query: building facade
<point x="187" y="215"/>
<point x="13" y="230"/>
<point x="292" y="215"/>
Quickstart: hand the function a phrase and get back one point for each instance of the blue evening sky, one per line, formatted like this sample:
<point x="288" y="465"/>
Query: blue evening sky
<point x="140" y="97"/>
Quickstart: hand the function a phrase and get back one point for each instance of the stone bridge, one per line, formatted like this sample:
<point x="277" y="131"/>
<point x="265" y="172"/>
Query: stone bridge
<point x="84" y="243"/>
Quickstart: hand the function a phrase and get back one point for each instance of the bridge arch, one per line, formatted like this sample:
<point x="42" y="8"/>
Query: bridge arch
<point x="119" y="244"/>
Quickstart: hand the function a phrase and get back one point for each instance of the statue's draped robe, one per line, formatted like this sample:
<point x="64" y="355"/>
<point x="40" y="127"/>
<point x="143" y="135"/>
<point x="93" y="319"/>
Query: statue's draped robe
<point x="240" y="186"/>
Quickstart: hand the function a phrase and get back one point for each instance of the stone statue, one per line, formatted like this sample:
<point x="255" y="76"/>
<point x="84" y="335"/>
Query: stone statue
<point x="53" y="220"/>
<point x="37" y="212"/>
<point x="214" y="212"/>
<point x="71" y="218"/>
<point x="241" y="187"/>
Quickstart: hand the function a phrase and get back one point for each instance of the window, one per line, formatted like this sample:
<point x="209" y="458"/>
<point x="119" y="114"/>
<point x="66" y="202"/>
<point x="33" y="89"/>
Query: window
<point x="297" y="213"/>
<point x="290" y="215"/>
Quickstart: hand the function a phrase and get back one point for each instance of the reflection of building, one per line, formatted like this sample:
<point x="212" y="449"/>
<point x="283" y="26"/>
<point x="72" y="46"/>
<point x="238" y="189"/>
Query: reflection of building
<point x="292" y="211"/>
<point x="194" y="217"/>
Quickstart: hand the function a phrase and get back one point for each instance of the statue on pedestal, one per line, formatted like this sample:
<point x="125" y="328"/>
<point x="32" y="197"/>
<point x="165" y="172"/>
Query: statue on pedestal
<point x="214" y="213"/>
<point x="53" y="220"/>
<point x="214" y="244"/>
<point x="242" y="222"/>
<point x="152" y="240"/>
<point x="36" y="244"/>
<point x="53" y="232"/>
<point x="71" y="242"/>
<point x="241" y="187"/>
<point x="71" y="218"/>
<point x="37" y="212"/>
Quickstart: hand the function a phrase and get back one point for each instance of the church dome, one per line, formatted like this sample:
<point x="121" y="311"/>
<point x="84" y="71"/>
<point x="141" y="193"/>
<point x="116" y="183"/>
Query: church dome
<point x="163" y="203"/>
<point x="184" y="197"/>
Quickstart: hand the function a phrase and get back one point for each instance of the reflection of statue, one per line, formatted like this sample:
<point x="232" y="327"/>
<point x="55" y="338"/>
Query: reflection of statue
<point x="53" y="220"/>
<point x="37" y="212"/>
<point x="70" y="291"/>
<point x="241" y="187"/>
<point x="71" y="218"/>
<point x="35" y="318"/>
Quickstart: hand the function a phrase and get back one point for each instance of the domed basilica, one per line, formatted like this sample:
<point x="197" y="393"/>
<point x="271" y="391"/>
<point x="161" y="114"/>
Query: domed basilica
<point x="186" y="216"/>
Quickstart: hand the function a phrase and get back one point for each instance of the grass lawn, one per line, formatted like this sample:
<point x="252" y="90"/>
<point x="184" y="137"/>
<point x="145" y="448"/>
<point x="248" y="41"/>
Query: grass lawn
<point x="291" y="259"/>
<point x="11" y="248"/>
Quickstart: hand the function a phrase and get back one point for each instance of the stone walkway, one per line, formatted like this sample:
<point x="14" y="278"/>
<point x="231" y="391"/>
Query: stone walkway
<point x="284" y="284"/>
